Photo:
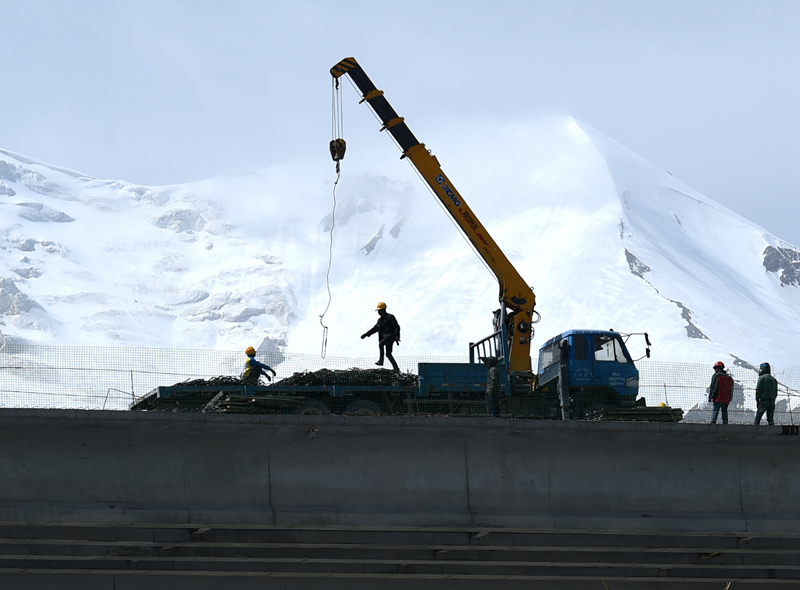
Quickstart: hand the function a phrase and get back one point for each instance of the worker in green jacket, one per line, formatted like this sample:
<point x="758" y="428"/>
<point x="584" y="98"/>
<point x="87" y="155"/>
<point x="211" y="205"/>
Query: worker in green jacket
<point x="766" y="393"/>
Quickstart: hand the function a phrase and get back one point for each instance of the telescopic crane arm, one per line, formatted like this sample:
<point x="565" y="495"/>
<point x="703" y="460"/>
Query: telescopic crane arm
<point x="515" y="294"/>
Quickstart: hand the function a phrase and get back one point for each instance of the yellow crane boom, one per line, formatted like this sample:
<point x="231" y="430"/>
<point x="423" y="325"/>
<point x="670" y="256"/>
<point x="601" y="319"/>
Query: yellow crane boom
<point x="515" y="296"/>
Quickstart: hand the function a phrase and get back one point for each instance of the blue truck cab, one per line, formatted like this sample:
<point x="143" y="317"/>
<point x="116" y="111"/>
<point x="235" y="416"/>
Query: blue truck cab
<point x="595" y="366"/>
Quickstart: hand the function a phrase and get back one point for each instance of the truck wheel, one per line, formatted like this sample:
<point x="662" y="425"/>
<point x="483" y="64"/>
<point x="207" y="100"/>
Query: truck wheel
<point x="312" y="406"/>
<point x="363" y="407"/>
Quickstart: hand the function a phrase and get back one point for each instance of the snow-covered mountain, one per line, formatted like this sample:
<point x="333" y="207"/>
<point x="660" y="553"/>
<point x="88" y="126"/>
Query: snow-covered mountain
<point x="606" y="239"/>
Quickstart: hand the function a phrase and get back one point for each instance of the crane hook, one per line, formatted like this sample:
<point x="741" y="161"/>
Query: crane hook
<point x="338" y="147"/>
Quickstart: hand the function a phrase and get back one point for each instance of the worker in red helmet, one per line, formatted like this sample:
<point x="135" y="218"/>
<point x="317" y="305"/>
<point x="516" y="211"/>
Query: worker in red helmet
<point x="720" y="392"/>
<point x="253" y="369"/>
<point x="388" y="335"/>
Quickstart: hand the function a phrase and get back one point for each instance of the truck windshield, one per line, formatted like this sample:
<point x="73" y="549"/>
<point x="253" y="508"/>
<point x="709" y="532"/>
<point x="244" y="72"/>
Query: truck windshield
<point x="607" y="348"/>
<point x="550" y="355"/>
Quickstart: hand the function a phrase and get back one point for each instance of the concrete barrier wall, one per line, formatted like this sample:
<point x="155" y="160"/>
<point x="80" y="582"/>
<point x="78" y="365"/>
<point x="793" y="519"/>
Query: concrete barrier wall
<point x="311" y="471"/>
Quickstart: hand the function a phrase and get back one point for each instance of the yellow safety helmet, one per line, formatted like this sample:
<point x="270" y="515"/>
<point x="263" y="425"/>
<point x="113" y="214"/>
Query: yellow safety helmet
<point x="381" y="305"/>
<point x="250" y="351"/>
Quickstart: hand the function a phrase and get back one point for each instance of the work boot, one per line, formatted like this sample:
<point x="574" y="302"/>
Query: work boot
<point x="380" y="362"/>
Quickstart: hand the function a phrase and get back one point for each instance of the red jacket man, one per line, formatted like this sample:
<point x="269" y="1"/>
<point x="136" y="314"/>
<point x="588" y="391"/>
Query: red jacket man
<point x="720" y="392"/>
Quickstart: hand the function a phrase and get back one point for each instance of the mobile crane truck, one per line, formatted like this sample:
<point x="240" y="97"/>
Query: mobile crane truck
<point x="581" y="373"/>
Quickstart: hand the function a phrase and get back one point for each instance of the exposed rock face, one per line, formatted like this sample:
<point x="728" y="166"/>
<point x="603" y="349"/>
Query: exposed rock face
<point x="14" y="302"/>
<point x="42" y="213"/>
<point x="10" y="172"/>
<point x="637" y="267"/>
<point x="21" y="311"/>
<point x="785" y="262"/>
<point x="181" y="220"/>
<point x="692" y="331"/>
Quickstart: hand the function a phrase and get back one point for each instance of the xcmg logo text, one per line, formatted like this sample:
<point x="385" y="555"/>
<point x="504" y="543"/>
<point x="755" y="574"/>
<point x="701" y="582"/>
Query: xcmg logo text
<point x="451" y="194"/>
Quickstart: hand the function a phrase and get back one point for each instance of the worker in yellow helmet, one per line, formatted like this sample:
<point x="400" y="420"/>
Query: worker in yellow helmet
<point x="254" y="369"/>
<point x="388" y="335"/>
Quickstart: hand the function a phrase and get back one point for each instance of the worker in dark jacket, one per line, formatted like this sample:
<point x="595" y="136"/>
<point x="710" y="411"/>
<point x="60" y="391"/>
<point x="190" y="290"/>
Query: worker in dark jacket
<point x="388" y="335"/>
<point x="254" y="369"/>
<point x="493" y="384"/>
<point x="720" y="392"/>
<point x="766" y="393"/>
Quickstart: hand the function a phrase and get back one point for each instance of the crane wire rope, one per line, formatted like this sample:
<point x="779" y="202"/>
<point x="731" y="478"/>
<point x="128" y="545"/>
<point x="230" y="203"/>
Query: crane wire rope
<point x="337" y="124"/>
<point x="328" y="272"/>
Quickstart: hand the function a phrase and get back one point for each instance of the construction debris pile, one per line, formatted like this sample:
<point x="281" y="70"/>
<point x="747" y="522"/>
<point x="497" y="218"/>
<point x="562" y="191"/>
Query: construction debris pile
<point x="294" y="394"/>
<point x="354" y="376"/>
<point x="222" y="380"/>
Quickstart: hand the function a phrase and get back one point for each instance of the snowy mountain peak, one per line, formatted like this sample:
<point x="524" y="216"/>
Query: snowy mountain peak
<point x="607" y="240"/>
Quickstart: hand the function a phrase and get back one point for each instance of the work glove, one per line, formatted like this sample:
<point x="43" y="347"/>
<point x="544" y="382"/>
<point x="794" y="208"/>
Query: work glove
<point x="363" y="336"/>
<point x="273" y="372"/>
<point x="268" y="377"/>
<point x="397" y="342"/>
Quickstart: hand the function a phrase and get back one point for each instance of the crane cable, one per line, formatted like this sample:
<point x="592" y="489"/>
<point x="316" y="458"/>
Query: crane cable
<point x="337" y="148"/>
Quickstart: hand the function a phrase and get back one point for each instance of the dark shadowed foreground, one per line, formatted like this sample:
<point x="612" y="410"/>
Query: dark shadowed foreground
<point x="149" y="500"/>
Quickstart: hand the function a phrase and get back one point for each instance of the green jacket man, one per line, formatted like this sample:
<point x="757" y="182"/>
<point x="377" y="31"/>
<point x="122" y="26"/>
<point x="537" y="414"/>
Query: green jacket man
<point x="766" y="393"/>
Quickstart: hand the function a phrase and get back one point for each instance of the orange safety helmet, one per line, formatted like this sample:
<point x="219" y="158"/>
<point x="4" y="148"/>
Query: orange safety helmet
<point x="250" y="351"/>
<point x="381" y="306"/>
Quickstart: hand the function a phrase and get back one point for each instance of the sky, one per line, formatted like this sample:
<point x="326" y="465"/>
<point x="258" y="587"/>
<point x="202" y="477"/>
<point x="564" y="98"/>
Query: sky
<point x="164" y="92"/>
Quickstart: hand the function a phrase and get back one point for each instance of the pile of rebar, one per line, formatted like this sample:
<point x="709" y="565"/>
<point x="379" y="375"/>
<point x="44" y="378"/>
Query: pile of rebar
<point x="354" y="376"/>
<point x="221" y="380"/>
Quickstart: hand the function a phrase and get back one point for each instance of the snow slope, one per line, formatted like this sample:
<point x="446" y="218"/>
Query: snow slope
<point x="606" y="239"/>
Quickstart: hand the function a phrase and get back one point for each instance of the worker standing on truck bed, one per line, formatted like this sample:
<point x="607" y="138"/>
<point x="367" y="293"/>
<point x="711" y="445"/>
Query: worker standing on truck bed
<point x="254" y="369"/>
<point x="388" y="334"/>
<point x="766" y="393"/>
<point x="720" y="392"/>
<point x="493" y="383"/>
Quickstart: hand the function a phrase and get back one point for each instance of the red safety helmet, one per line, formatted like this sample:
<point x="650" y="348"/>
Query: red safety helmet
<point x="719" y="364"/>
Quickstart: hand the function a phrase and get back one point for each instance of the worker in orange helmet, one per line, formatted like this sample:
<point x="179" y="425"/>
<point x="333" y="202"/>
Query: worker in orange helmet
<point x="253" y="369"/>
<point x="388" y="335"/>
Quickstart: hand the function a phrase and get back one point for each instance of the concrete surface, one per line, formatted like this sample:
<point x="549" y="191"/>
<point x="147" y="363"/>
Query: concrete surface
<point x="130" y="500"/>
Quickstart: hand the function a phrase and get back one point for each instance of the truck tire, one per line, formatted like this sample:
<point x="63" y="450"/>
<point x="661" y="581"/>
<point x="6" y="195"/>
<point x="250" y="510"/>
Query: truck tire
<point x="313" y="406"/>
<point x="363" y="407"/>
